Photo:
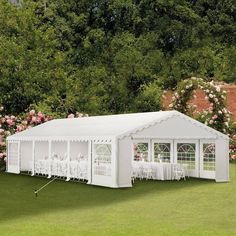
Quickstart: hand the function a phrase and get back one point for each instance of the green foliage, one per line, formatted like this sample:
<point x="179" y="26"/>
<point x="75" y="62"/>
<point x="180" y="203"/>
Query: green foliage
<point x="149" y="98"/>
<point x="30" y="65"/>
<point x="103" y="56"/>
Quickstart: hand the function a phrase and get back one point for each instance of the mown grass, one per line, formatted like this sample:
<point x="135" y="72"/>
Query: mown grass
<point x="191" y="207"/>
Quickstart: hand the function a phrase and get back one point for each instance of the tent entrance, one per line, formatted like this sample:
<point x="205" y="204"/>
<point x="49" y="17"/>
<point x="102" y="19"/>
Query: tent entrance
<point x="207" y="159"/>
<point x="13" y="157"/>
<point x="187" y="153"/>
<point x="102" y="163"/>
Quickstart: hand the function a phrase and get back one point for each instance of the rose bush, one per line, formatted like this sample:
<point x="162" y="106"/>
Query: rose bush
<point x="216" y="115"/>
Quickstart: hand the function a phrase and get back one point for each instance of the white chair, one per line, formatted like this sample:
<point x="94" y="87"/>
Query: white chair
<point x="147" y="173"/>
<point x="37" y="167"/>
<point x="138" y="172"/>
<point x="178" y="172"/>
<point x="44" y="167"/>
<point x="73" y="169"/>
<point x="135" y="173"/>
<point x="54" y="167"/>
<point x="186" y="170"/>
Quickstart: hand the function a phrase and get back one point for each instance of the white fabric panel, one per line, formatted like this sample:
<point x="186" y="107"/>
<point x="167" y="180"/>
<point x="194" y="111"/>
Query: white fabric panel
<point x="26" y="156"/>
<point x="125" y="162"/>
<point x="106" y="127"/>
<point x="175" y="127"/>
<point x="59" y="148"/>
<point x="222" y="160"/>
<point x="41" y="150"/>
<point x="13" y="157"/>
<point x="77" y="149"/>
<point x="13" y="154"/>
<point x="111" y="125"/>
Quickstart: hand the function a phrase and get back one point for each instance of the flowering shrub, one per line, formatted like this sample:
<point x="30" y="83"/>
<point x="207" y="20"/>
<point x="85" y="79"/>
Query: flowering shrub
<point x="216" y="116"/>
<point x="10" y="124"/>
<point x="232" y="146"/>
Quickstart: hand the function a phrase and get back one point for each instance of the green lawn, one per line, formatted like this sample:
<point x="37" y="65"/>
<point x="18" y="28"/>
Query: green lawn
<point x="191" y="207"/>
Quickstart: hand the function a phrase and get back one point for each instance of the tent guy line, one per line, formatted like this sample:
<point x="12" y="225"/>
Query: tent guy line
<point x="37" y="191"/>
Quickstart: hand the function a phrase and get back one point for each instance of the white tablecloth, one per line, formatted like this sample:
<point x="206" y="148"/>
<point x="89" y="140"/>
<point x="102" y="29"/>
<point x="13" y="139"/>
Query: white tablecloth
<point x="160" y="171"/>
<point x="60" y="167"/>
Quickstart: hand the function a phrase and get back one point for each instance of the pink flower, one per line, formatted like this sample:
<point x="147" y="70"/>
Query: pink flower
<point x="233" y="157"/>
<point x="19" y="128"/>
<point x="214" y="117"/>
<point x="40" y="114"/>
<point x="33" y="119"/>
<point x="2" y="144"/>
<point x="24" y="122"/>
<point x="1" y="131"/>
<point x="10" y="122"/>
<point x="1" y="155"/>
<point x="32" y="112"/>
<point x="71" y="116"/>
<point x="39" y="120"/>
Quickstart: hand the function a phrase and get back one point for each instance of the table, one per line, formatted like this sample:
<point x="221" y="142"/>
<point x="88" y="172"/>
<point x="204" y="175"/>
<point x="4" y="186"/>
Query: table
<point x="155" y="170"/>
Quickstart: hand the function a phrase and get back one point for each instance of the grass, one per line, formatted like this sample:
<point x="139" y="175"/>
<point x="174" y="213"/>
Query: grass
<point x="192" y="207"/>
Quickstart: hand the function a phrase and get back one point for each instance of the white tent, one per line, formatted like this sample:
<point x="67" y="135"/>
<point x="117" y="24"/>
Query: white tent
<point x="101" y="149"/>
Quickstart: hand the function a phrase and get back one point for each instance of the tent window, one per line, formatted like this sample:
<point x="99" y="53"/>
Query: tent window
<point x="102" y="160"/>
<point x="140" y="152"/>
<point x="186" y="154"/>
<point x="13" y="154"/>
<point x="162" y="152"/>
<point x="209" y="156"/>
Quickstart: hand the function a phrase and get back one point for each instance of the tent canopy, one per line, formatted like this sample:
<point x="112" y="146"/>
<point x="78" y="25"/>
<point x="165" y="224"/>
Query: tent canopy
<point x="109" y="126"/>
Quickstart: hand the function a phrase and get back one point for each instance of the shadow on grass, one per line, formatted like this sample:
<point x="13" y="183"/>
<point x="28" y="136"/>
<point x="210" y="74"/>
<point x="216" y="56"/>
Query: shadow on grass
<point x="18" y="198"/>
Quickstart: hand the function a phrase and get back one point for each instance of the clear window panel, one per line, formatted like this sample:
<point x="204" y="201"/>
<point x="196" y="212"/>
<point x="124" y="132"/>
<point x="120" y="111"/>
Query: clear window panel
<point x="161" y="152"/>
<point x="102" y="160"/>
<point x="186" y="154"/>
<point x="209" y="156"/>
<point x="13" y="154"/>
<point x="140" y="152"/>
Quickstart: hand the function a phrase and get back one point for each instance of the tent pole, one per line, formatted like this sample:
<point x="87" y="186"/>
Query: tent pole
<point x="68" y="160"/>
<point x="49" y="158"/>
<point x="89" y="162"/>
<point x="33" y="157"/>
<point x="18" y="156"/>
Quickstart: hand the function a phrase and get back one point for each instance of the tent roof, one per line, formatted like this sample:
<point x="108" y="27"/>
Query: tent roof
<point x="96" y="127"/>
